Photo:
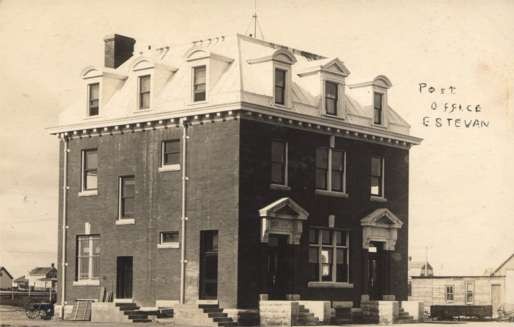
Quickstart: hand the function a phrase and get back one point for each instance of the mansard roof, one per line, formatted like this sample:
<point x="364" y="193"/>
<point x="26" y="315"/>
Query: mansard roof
<point x="243" y="84"/>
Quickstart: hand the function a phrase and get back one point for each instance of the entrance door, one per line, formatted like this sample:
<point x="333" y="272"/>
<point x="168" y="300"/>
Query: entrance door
<point x="495" y="299"/>
<point x="376" y="270"/>
<point x="124" y="277"/>
<point x="209" y="264"/>
<point x="277" y="267"/>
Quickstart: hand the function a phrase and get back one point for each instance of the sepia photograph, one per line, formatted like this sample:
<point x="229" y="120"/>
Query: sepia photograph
<point x="256" y="163"/>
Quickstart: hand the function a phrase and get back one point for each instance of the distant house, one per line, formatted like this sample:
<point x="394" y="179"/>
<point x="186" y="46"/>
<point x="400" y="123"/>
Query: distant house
<point x="5" y="278"/>
<point x="417" y="268"/>
<point x="496" y="289"/>
<point x="21" y="282"/>
<point x="42" y="277"/>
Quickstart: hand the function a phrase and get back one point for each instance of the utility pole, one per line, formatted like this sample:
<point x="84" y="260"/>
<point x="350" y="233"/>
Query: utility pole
<point x="255" y="19"/>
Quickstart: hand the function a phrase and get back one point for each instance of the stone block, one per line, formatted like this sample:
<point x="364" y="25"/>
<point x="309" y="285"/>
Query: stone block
<point x="107" y="312"/>
<point x="320" y="309"/>
<point x="414" y="308"/>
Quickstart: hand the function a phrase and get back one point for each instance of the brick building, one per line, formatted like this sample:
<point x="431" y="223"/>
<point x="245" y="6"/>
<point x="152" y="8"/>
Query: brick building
<point x="231" y="169"/>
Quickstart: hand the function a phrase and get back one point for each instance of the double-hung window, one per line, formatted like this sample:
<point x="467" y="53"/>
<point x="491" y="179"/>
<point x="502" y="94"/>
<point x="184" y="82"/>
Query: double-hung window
<point x="449" y="293"/>
<point x="199" y="83"/>
<point x="88" y="257"/>
<point x="279" y="162"/>
<point x="126" y="197"/>
<point x="377" y="176"/>
<point x="93" y="94"/>
<point x="280" y="86"/>
<point x="331" y="98"/>
<point x="377" y="108"/>
<point x="170" y="153"/>
<point x="144" y="92"/>
<point x="328" y="255"/>
<point x="89" y="176"/>
<point x="470" y="288"/>
<point x="330" y="169"/>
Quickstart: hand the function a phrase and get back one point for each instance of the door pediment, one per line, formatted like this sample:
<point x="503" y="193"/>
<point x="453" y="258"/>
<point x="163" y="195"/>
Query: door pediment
<point x="381" y="225"/>
<point x="284" y="217"/>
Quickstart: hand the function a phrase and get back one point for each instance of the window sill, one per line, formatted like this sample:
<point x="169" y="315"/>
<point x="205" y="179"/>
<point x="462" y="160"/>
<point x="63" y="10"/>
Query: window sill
<point x="88" y="193"/>
<point x="125" y="221"/>
<point x="172" y="245"/>
<point x="332" y="116"/>
<point x="141" y="110"/>
<point x="279" y="187"/>
<point x="175" y="167"/>
<point x="332" y="193"/>
<point x="329" y="285"/>
<point x="87" y="282"/>
<point x="375" y="198"/>
<point x="197" y="103"/>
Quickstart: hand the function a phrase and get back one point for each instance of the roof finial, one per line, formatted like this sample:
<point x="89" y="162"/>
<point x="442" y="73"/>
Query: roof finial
<point x="255" y="23"/>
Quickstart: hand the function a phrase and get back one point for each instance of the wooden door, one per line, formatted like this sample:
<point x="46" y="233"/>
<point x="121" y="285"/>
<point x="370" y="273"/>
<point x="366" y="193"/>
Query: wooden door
<point x="124" y="277"/>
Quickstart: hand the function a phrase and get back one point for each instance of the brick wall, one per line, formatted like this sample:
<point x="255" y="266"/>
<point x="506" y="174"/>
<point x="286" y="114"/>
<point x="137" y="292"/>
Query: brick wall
<point x="255" y="193"/>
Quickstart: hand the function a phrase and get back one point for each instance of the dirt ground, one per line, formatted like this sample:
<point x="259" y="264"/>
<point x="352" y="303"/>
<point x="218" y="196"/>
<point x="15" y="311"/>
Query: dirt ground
<point x="15" y="317"/>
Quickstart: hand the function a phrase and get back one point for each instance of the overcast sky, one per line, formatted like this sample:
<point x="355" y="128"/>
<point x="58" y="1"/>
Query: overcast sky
<point x="461" y="185"/>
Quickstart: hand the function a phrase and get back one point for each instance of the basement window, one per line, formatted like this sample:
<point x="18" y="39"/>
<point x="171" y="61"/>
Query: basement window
<point x="168" y="239"/>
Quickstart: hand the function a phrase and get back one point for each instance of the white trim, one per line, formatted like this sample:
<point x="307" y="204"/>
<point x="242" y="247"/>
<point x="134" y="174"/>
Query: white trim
<point x="375" y="198"/>
<point x="288" y="103"/>
<point x="125" y="221"/>
<point x="169" y="245"/>
<point x="174" y="167"/>
<point x="88" y="193"/>
<point x="279" y="187"/>
<point x="331" y="193"/>
<point x="86" y="282"/>
<point x="123" y="300"/>
<point x="314" y="284"/>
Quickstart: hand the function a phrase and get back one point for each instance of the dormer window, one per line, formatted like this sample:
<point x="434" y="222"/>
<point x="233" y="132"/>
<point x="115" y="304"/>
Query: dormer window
<point x="144" y="92"/>
<point x="331" y="98"/>
<point x="377" y="108"/>
<point x="280" y="86"/>
<point x="199" y="83"/>
<point x="93" y="99"/>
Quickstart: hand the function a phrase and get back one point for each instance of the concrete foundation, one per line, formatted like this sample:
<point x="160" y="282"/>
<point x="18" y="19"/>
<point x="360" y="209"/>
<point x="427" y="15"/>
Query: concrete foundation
<point x="414" y="308"/>
<point x="278" y="313"/>
<point x="107" y="312"/>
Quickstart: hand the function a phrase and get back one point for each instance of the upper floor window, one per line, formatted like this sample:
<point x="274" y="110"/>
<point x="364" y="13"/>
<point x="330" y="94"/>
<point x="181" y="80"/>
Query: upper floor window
<point x="280" y="86"/>
<point x="331" y="98"/>
<point x="328" y="255"/>
<point x="126" y="197"/>
<point x="377" y="108"/>
<point x="449" y="293"/>
<point x="377" y="176"/>
<point x="144" y="92"/>
<point x="199" y="83"/>
<point x="89" y="176"/>
<point x="170" y="153"/>
<point x="330" y="169"/>
<point x="88" y="257"/>
<point x="93" y="99"/>
<point x="279" y="162"/>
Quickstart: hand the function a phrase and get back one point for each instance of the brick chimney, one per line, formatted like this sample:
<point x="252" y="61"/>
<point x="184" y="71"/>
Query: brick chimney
<point x="118" y="49"/>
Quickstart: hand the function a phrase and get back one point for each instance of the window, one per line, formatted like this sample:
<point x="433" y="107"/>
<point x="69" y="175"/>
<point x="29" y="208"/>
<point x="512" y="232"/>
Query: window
<point x="328" y="255"/>
<point x="144" y="92"/>
<point x="199" y="83"/>
<point x="170" y="152"/>
<point x="89" y="170"/>
<point x="93" y="99"/>
<point x="377" y="176"/>
<point x="377" y="108"/>
<point x="280" y="86"/>
<point x="449" y="293"/>
<point x="331" y="98"/>
<point x="127" y="195"/>
<point x="279" y="162"/>
<point x="88" y="257"/>
<point x="330" y="169"/>
<point x="470" y="287"/>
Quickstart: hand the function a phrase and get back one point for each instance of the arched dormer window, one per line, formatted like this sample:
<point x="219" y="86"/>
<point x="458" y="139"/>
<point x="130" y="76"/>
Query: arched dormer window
<point x="206" y="68"/>
<point x="98" y="89"/>
<point x="373" y="97"/>
<point x="149" y="79"/>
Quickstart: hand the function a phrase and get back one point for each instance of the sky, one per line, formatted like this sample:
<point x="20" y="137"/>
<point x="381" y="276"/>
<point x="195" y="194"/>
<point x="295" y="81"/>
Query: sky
<point x="461" y="194"/>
